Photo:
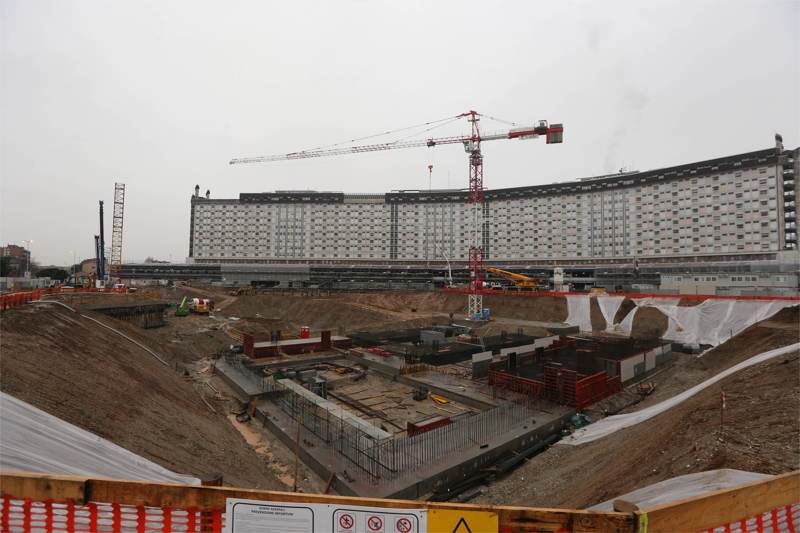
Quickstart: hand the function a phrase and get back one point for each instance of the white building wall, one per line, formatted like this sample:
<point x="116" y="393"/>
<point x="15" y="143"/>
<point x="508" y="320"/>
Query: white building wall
<point x="725" y="212"/>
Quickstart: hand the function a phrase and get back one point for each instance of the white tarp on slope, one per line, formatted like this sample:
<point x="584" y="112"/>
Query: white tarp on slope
<point x="609" y="425"/>
<point x="681" y="487"/>
<point x="609" y="305"/>
<point x="578" y="312"/>
<point x="712" y="322"/>
<point x="34" y="441"/>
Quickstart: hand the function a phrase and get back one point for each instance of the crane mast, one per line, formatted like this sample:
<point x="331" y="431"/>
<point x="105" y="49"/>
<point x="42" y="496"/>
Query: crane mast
<point x="472" y="145"/>
<point x="475" y="264"/>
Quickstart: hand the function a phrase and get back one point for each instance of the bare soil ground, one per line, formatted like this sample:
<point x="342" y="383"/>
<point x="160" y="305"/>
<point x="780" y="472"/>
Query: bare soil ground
<point x="87" y="375"/>
<point x="762" y="432"/>
<point x="348" y="312"/>
<point x="648" y="323"/>
<point x="596" y="315"/>
<point x="80" y="372"/>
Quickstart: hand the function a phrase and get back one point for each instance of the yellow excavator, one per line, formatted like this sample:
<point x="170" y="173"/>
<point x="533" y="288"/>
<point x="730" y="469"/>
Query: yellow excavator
<point x="519" y="280"/>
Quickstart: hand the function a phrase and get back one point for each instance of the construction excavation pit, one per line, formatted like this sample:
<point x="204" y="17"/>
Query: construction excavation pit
<point x="397" y="394"/>
<point x="404" y="413"/>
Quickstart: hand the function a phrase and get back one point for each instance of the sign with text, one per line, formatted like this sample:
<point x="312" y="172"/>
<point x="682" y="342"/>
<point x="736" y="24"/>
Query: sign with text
<point x="253" y="516"/>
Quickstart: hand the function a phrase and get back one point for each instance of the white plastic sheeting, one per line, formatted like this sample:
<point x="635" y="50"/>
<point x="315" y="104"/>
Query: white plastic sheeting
<point x="681" y="487"/>
<point x="609" y="305"/>
<point x="34" y="441"/>
<point x="578" y="312"/>
<point x="711" y="322"/>
<point x="609" y="425"/>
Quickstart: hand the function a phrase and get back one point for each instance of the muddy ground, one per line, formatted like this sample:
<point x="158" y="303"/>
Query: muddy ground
<point x="761" y="431"/>
<point x="80" y="372"/>
<point x="76" y="370"/>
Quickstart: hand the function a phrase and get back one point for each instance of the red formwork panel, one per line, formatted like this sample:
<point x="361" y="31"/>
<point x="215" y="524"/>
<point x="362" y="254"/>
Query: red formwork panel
<point x="594" y="388"/>
<point x="528" y="387"/>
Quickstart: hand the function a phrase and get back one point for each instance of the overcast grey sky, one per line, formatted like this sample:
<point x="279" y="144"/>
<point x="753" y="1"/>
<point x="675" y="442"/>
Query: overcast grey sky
<point x="161" y="94"/>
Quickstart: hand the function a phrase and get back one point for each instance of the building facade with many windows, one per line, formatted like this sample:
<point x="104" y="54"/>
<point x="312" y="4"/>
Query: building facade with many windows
<point x="730" y="208"/>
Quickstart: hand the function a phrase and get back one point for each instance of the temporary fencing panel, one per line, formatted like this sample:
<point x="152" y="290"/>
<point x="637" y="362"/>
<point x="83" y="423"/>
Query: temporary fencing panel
<point x="36" y="502"/>
<point x="780" y="520"/>
<point x="22" y="515"/>
<point x="15" y="299"/>
<point x="26" y="516"/>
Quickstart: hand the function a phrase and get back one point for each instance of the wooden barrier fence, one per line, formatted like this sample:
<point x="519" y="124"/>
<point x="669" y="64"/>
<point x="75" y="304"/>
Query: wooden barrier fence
<point x="205" y="505"/>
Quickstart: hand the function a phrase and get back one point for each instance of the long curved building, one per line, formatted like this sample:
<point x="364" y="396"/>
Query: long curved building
<point x="735" y="208"/>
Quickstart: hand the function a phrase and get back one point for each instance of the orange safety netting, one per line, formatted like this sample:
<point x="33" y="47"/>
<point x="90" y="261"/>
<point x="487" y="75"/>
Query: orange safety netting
<point x="781" y="520"/>
<point x="26" y="516"/>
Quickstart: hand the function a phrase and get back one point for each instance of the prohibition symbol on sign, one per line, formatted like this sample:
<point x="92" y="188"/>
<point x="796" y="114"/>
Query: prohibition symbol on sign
<point x="374" y="523"/>
<point x="403" y="525"/>
<point x="346" y="521"/>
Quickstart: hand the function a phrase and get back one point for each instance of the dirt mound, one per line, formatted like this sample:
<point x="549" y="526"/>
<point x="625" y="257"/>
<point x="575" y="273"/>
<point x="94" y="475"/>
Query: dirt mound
<point x="539" y="308"/>
<point x="80" y="372"/>
<point x="687" y="302"/>
<point x="649" y="323"/>
<point x="338" y="313"/>
<point x="625" y="307"/>
<point x="596" y="315"/>
<point x="761" y="433"/>
<point x="348" y="312"/>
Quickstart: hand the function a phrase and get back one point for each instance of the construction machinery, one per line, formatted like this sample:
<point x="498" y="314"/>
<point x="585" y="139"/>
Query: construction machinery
<point x="201" y="306"/>
<point x="90" y="282"/>
<point x="472" y="145"/>
<point x="520" y="281"/>
<point x="242" y="290"/>
<point x="183" y="308"/>
<point x="100" y="253"/>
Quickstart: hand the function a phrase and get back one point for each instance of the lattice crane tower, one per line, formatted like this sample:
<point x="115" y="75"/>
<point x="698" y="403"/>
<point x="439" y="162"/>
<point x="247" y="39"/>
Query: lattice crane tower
<point x="116" y="230"/>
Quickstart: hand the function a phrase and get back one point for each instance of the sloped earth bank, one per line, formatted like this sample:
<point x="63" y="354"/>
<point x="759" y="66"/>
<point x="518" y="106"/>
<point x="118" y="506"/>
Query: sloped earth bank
<point x="761" y="431"/>
<point x="78" y="371"/>
<point x="348" y="312"/>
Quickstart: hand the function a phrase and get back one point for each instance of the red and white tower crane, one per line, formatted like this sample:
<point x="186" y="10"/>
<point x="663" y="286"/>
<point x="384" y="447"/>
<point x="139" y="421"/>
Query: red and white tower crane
<point x="472" y="145"/>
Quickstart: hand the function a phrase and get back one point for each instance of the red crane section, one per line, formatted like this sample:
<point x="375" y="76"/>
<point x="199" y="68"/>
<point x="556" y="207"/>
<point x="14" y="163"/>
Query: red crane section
<point x="472" y="145"/>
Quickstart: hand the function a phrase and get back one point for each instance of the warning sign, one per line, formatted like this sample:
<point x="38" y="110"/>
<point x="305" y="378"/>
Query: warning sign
<point x="375" y="524"/>
<point x="403" y="525"/>
<point x="268" y="517"/>
<point x="347" y="522"/>
<point x="253" y="516"/>
<point x="442" y="521"/>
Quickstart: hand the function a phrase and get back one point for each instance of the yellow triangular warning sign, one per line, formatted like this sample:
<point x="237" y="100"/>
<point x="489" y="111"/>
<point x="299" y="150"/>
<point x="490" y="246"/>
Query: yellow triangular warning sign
<point x="451" y="521"/>
<point x="462" y="527"/>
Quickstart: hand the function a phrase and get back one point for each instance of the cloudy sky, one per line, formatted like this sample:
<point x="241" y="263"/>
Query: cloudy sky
<point x="162" y="94"/>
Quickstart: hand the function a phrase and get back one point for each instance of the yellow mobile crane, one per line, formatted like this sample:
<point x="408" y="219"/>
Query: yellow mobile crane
<point x="520" y="281"/>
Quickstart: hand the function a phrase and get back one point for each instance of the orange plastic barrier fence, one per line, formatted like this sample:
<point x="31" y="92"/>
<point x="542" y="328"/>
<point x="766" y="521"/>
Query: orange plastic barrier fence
<point x="783" y="519"/>
<point x="15" y="299"/>
<point x="26" y="516"/>
<point x="464" y="290"/>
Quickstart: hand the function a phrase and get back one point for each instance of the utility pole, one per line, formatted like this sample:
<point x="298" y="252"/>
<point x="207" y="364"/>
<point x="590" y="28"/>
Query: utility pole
<point x="28" y="258"/>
